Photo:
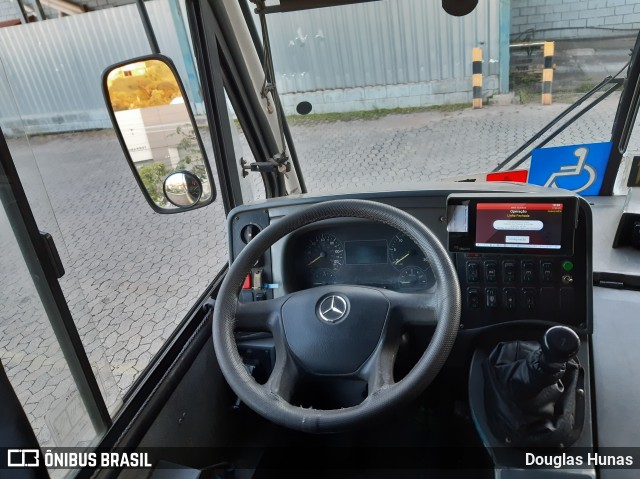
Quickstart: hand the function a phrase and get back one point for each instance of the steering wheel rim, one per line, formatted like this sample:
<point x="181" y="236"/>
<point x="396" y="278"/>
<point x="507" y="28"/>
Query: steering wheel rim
<point x="266" y="399"/>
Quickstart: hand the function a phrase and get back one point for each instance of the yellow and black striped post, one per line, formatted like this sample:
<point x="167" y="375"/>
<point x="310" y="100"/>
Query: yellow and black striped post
<point x="476" y="58"/>
<point x="547" y="73"/>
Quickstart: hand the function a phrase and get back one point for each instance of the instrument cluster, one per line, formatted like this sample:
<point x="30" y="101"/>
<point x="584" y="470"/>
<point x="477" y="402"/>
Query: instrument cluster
<point x="360" y="253"/>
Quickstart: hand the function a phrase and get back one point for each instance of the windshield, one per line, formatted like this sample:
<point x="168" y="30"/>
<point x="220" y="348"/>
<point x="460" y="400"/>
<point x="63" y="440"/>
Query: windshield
<point x="402" y="92"/>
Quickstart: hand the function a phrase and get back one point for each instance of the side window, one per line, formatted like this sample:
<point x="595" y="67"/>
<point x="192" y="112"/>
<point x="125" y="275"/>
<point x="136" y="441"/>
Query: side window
<point x="37" y="365"/>
<point x="131" y="274"/>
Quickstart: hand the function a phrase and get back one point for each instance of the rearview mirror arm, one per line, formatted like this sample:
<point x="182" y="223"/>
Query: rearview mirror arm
<point x="148" y="28"/>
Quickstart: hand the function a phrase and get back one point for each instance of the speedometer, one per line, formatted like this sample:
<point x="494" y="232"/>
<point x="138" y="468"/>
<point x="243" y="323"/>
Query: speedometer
<point x="324" y="251"/>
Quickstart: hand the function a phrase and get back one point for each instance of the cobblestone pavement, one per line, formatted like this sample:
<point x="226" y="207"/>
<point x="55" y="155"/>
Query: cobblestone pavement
<point x="133" y="274"/>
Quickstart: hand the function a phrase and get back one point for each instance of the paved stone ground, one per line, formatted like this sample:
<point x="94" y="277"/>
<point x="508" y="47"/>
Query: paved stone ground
<point x="133" y="274"/>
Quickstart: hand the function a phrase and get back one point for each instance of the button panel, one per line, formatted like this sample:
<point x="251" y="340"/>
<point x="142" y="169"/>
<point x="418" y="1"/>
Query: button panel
<point x="503" y="288"/>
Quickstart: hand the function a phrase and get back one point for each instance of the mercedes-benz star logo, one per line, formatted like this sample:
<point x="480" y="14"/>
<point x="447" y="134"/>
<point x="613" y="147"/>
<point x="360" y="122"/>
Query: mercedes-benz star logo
<point x="332" y="308"/>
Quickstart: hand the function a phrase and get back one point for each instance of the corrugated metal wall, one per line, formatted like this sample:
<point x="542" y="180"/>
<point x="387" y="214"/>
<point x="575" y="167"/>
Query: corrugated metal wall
<point x="55" y="67"/>
<point x="369" y="54"/>
<point x="388" y="42"/>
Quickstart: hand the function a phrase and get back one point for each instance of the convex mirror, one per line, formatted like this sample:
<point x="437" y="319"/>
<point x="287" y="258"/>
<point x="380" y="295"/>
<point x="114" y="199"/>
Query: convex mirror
<point x="157" y="130"/>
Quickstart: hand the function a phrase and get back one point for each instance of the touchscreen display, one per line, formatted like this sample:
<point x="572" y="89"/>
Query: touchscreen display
<point x="519" y="225"/>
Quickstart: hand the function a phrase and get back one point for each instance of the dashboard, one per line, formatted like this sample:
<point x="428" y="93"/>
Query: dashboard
<point x="525" y="254"/>
<point x="497" y="287"/>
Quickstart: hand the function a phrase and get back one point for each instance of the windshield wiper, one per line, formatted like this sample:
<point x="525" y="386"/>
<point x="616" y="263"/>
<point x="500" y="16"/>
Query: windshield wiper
<point x="609" y="80"/>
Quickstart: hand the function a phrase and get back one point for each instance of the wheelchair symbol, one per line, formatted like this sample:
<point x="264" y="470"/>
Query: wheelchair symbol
<point x="574" y="170"/>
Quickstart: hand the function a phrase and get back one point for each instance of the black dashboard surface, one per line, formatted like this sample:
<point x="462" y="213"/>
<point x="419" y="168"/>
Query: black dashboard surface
<point x="496" y="287"/>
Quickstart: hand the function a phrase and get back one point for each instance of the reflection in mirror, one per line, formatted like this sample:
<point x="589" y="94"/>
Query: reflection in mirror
<point x="152" y="114"/>
<point x="182" y="188"/>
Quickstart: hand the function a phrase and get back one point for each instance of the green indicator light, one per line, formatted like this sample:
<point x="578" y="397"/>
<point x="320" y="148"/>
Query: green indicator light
<point x="567" y="265"/>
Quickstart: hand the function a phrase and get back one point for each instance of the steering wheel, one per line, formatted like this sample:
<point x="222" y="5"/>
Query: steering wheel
<point x="336" y="330"/>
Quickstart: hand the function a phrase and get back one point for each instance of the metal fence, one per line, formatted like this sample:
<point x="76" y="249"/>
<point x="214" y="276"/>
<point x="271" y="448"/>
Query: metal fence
<point x="373" y="55"/>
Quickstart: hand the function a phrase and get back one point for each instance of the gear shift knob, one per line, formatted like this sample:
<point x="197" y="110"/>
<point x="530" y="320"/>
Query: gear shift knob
<point x="560" y="344"/>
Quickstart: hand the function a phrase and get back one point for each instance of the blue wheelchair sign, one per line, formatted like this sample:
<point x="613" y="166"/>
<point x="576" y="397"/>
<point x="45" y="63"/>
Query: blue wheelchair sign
<point x="578" y="168"/>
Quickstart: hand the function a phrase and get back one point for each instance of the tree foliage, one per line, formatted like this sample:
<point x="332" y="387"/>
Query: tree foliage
<point x="155" y="85"/>
<point x="152" y="177"/>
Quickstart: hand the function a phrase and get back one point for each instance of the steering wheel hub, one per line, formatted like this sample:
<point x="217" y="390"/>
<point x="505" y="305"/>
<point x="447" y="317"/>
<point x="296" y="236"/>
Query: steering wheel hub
<point x="340" y="347"/>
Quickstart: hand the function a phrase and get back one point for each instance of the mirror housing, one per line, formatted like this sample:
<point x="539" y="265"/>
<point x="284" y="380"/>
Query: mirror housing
<point x="152" y="117"/>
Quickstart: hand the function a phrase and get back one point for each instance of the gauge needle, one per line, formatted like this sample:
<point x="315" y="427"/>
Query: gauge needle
<point x="404" y="257"/>
<point x="322" y="255"/>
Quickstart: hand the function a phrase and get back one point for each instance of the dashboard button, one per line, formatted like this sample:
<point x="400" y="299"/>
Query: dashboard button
<point x="509" y="271"/>
<point x="530" y="299"/>
<point x="546" y="271"/>
<point x="490" y="271"/>
<point x="491" y="295"/>
<point x="474" y="298"/>
<point x="509" y="298"/>
<point x="473" y="272"/>
<point x="528" y="273"/>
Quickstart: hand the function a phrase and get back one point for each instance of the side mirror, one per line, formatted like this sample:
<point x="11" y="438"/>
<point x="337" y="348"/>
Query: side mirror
<point x="156" y="128"/>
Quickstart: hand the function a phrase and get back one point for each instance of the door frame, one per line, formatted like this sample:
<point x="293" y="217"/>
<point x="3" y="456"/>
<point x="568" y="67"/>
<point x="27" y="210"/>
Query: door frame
<point x="44" y="271"/>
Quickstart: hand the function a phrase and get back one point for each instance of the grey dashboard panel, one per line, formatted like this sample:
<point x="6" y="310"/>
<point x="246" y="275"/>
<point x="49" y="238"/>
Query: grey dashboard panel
<point x="607" y="211"/>
<point x="427" y="203"/>
<point x="616" y="365"/>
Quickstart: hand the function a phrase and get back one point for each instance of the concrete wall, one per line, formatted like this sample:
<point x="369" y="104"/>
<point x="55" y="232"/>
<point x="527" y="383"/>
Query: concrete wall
<point x="389" y="96"/>
<point x="573" y="19"/>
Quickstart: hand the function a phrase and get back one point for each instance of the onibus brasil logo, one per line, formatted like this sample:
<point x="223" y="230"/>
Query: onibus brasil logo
<point x="72" y="459"/>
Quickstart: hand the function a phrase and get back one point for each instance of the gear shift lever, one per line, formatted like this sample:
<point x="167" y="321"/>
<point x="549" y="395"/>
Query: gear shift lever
<point x="533" y="387"/>
<point x="543" y="367"/>
<point x="560" y="344"/>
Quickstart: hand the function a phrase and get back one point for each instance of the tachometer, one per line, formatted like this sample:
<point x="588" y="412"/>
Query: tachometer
<point x="403" y="252"/>
<point x="324" y="251"/>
